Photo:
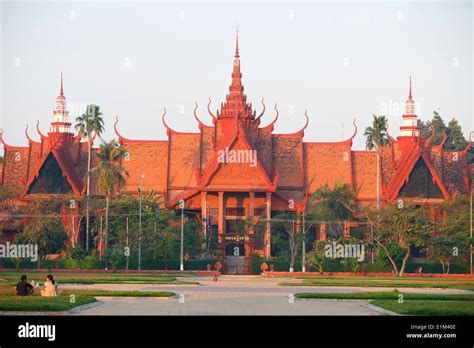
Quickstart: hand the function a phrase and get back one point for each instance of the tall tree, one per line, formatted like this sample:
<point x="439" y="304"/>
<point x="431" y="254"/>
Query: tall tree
<point x="376" y="138"/>
<point x="286" y="236"/>
<point x="332" y="205"/>
<point x="89" y="125"/>
<point x="447" y="249"/>
<point x="338" y="201"/>
<point x="452" y="227"/>
<point x="455" y="139"/>
<point x="47" y="232"/>
<point x="110" y="176"/>
<point x="408" y="227"/>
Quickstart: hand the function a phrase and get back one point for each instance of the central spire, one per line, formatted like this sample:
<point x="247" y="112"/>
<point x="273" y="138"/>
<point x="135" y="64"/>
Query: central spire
<point x="236" y="75"/>
<point x="236" y="101"/>
<point x="237" y="44"/>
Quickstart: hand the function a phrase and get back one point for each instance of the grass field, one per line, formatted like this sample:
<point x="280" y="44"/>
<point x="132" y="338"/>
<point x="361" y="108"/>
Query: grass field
<point x="385" y="295"/>
<point x="11" y="278"/>
<point x="66" y="301"/>
<point x="38" y="303"/>
<point x="427" y="307"/>
<point x="412" y="304"/>
<point x="10" y="302"/>
<point x="399" y="282"/>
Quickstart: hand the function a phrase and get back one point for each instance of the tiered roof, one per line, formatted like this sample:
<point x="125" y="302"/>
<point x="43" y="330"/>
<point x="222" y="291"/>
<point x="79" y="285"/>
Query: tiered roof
<point x="186" y="163"/>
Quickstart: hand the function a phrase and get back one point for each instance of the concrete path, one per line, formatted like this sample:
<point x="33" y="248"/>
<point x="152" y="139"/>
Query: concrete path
<point x="228" y="304"/>
<point x="236" y="295"/>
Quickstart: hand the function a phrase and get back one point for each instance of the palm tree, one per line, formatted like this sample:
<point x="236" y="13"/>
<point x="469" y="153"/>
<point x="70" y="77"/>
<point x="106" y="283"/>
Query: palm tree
<point x="110" y="174"/>
<point x="376" y="138"/>
<point x="333" y="205"/>
<point x="88" y="126"/>
<point x="337" y="202"/>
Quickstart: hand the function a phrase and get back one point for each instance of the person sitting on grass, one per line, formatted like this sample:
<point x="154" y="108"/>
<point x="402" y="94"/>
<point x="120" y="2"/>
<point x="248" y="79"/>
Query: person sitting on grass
<point x="50" y="287"/>
<point x="23" y="288"/>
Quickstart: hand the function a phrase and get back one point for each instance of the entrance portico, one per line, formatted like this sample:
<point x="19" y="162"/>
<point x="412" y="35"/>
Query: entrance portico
<point x="241" y="222"/>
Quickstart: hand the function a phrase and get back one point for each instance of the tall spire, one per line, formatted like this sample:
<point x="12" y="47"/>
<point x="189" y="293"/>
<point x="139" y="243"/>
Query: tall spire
<point x="410" y="104"/>
<point x="61" y="93"/>
<point x="409" y="126"/>
<point x="410" y="95"/>
<point x="61" y="122"/>
<point x="237" y="43"/>
<point x="236" y="101"/>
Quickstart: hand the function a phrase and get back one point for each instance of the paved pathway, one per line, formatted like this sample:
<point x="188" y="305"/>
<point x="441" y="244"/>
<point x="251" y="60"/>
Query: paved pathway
<point x="235" y="295"/>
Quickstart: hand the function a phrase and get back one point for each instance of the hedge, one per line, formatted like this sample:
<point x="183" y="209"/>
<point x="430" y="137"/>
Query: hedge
<point x="336" y="266"/>
<point x="90" y="262"/>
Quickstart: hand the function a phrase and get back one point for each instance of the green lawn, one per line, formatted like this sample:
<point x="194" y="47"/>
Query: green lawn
<point x="11" y="278"/>
<point x="413" y="304"/>
<point x="38" y="303"/>
<point x="399" y="282"/>
<point x="385" y="295"/>
<point x="427" y="307"/>
<point x="119" y="293"/>
<point x="10" y="302"/>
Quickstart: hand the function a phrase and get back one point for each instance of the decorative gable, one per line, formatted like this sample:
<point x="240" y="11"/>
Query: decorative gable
<point x="236" y="165"/>
<point x="416" y="175"/>
<point x="50" y="179"/>
<point x="420" y="183"/>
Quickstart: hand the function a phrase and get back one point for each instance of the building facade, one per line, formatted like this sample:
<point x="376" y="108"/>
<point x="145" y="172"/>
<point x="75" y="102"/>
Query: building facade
<point x="238" y="169"/>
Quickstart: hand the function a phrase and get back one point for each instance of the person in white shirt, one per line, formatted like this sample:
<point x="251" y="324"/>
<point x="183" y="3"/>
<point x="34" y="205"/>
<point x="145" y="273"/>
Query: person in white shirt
<point x="50" y="287"/>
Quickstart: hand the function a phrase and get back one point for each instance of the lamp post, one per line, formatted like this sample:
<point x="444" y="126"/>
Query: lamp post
<point x="100" y="239"/>
<point x="127" y="241"/>
<point x="470" y="218"/>
<point x="372" y="240"/>
<point x="206" y="218"/>
<point x="267" y="250"/>
<point x="181" y="253"/>
<point x="140" y="224"/>
<point x="470" y="245"/>
<point x="303" y="268"/>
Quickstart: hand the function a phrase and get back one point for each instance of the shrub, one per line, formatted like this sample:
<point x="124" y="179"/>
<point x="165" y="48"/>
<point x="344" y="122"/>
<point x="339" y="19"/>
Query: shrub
<point x="91" y="262"/>
<point x="70" y="263"/>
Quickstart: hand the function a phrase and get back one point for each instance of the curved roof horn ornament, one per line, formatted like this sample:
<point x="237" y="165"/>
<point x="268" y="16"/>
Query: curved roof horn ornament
<point x="214" y="118"/>
<point x="2" y="141"/>
<point x="306" y="124"/>
<point x="28" y="136"/>
<point x="39" y="131"/>
<point x="263" y="111"/>
<point x="201" y="124"/>
<point x="120" y="137"/>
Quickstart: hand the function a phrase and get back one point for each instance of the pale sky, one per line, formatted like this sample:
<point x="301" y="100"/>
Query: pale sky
<point x="338" y="60"/>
